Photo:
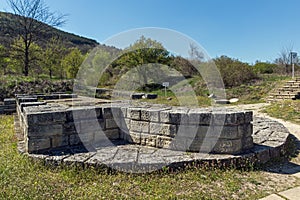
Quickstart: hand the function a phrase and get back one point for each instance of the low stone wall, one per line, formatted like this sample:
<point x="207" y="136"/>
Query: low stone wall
<point x="8" y="107"/>
<point x="53" y="125"/>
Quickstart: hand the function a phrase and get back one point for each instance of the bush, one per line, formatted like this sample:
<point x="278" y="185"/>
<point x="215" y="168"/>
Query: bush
<point x="235" y="72"/>
<point x="265" y="68"/>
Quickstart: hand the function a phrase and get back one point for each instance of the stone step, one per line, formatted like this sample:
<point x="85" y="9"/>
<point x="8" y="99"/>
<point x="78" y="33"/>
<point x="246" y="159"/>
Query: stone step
<point x="296" y="90"/>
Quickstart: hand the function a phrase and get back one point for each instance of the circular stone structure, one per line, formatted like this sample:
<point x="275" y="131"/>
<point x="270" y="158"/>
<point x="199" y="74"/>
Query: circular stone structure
<point x="269" y="140"/>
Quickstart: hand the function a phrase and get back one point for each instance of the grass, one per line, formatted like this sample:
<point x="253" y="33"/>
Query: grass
<point x="288" y="110"/>
<point x="257" y="91"/>
<point x="22" y="178"/>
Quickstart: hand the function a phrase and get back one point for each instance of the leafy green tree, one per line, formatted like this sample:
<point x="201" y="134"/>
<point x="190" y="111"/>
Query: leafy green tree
<point x="143" y="51"/>
<point x="72" y="61"/>
<point x="33" y="14"/>
<point x="265" y="68"/>
<point x="3" y="58"/>
<point x="53" y="56"/>
<point x="17" y="59"/>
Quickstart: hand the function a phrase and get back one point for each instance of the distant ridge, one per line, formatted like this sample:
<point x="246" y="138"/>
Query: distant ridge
<point x="7" y="35"/>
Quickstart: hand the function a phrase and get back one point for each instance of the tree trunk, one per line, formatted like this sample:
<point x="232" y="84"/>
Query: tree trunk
<point x="50" y="73"/>
<point x="26" y="61"/>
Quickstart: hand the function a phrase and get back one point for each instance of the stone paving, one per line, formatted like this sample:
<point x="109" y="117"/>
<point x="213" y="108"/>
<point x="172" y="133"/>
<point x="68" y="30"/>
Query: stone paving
<point x="270" y="140"/>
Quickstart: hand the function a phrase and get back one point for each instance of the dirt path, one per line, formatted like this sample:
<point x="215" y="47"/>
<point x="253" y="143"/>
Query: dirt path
<point x="257" y="108"/>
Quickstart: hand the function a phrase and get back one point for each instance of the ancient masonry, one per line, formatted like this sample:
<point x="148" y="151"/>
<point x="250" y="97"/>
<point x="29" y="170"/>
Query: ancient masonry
<point x="101" y="133"/>
<point x="53" y="125"/>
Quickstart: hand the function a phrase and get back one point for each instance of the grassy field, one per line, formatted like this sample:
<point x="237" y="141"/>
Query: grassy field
<point x="22" y="178"/>
<point x="288" y="110"/>
<point x="255" y="92"/>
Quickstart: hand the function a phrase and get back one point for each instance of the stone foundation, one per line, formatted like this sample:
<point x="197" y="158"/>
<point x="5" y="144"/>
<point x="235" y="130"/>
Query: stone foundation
<point x="50" y="125"/>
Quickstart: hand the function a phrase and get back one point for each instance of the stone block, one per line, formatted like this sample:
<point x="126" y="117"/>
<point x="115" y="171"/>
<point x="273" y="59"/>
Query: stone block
<point x="67" y="96"/>
<point x="74" y="114"/>
<point x="34" y="144"/>
<point x="70" y="128"/>
<point x="163" y="129"/>
<point x="26" y="99"/>
<point x="163" y="142"/>
<point x="201" y="145"/>
<point x="173" y="117"/>
<point x="112" y="134"/>
<point x="151" y="96"/>
<point x="27" y="104"/>
<point x="134" y="113"/>
<point x="123" y="112"/>
<point x="137" y="95"/>
<point x="196" y="116"/>
<point x="100" y="138"/>
<point x="92" y="125"/>
<point x="139" y="126"/>
<point x="111" y="124"/>
<point x="87" y="138"/>
<point x="247" y="143"/>
<point x="123" y="124"/>
<point x="59" y="141"/>
<point x="74" y="140"/>
<point x="228" y="146"/>
<point x="134" y="138"/>
<point x="187" y="131"/>
<point x="246" y="130"/>
<point x="9" y="101"/>
<point x="248" y="116"/>
<point x="42" y="131"/>
<point x="261" y="153"/>
<point x="148" y="140"/>
<point x="228" y="118"/>
<point x="151" y="114"/>
<point x="227" y="132"/>
<point x="38" y="118"/>
<point x="59" y="117"/>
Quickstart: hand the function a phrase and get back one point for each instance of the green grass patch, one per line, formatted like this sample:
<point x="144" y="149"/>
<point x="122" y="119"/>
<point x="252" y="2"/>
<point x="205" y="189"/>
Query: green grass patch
<point x="22" y="178"/>
<point x="288" y="110"/>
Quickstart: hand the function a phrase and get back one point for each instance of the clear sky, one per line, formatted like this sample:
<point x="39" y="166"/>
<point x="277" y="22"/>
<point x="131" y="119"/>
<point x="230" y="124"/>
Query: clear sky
<point x="248" y="30"/>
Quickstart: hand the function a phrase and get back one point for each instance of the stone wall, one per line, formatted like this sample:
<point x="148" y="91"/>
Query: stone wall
<point x="52" y="125"/>
<point x="8" y="106"/>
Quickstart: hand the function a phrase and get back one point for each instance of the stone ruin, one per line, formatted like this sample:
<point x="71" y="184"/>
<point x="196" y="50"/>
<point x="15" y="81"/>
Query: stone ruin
<point x="57" y="123"/>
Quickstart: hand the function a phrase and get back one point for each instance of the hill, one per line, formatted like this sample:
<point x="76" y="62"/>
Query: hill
<point x="8" y="33"/>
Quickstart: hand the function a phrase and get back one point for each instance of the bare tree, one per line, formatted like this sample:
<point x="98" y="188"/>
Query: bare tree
<point x="284" y="58"/>
<point x="33" y="15"/>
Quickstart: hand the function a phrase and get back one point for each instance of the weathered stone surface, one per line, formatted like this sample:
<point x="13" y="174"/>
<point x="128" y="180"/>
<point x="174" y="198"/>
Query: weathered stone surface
<point x="163" y="142"/>
<point x="247" y="143"/>
<point x="134" y="113"/>
<point x="198" y="116"/>
<point x="139" y="126"/>
<point x="149" y="140"/>
<point x="228" y="146"/>
<point x="59" y="141"/>
<point x="163" y="129"/>
<point x="112" y="134"/>
<point x="111" y="124"/>
<point x="157" y="158"/>
<point x="45" y="130"/>
<point x="34" y="144"/>
<point x="27" y="104"/>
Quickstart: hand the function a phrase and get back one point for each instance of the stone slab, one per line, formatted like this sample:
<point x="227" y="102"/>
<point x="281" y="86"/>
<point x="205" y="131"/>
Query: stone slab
<point x="272" y="197"/>
<point x="292" y="194"/>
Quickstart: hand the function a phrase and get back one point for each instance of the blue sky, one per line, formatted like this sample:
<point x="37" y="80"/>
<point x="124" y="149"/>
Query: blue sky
<point x="248" y="30"/>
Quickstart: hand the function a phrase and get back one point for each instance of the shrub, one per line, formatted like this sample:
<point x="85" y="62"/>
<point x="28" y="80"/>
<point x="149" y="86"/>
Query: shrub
<point x="234" y="72"/>
<point x="264" y="68"/>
